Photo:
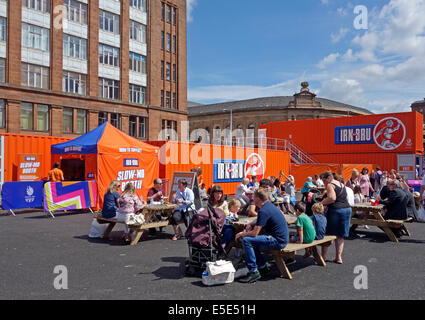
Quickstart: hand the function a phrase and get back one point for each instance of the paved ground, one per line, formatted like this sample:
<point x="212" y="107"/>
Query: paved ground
<point x="32" y="245"/>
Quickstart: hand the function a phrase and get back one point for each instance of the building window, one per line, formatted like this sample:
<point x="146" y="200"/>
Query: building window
<point x="168" y="71"/>
<point x="168" y="13"/>
<point x="174" y="44"/>
<point x="67" y="120"/>
<point x="168" y="99"/>
<point x="42" y="117"/>
<point x="162" y="70"/>
<point x="174" y="16"/>
<point x="174" y="73"/>
<point x="3" y="29"/>
<point x="103" y="117"/>
<point x="115" y="120"/>
<point x="162" y="40"/>
<point x="137" y="63"/>
<point x="139" y="4"/>
<point x="27" y="116"/>
<point x="137" y="94"/>
<point x="162" y="11"/>
<point x="133" y="126"/>
<point x="109" y="22"/>
<point x="74" y="82"/>
<point x="174" y="100"/>
<point x="162" y="98"/>
<point x="35" y="76"/>
<point x="35" y="37"/>
<point x="74" y="47"/>
<point x="142" y="127"/>
<point x="137" y="31"/>
<point x="81" y="121"/>
<point x="2" y="114"/>
<point x="2" y="70"/>
<point x="109" y="55"/>
<point x="168" y="42"/>
<point x="39" y="5"/>
<point x="109" y="89"/>
<point x="76" y="11"/>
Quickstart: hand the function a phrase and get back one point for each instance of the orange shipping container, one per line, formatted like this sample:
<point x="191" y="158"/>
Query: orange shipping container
<point x="373" y="139"/>
<point x="216" y="161"/>
<point x="18" y="144"/>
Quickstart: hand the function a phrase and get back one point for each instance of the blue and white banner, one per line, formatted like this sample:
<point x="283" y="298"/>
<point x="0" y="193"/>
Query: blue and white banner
<point x="228" y="171"/>
<point x="22" y="195"/>
<point x="354" y="135"/>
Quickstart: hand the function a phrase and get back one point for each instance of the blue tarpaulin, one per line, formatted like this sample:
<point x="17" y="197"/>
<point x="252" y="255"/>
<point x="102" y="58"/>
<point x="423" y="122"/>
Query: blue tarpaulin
<point x="22" y="195"/>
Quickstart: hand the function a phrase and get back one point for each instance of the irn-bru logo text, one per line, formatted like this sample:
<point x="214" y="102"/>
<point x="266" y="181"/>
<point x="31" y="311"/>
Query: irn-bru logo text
<point x="354" y="135"/>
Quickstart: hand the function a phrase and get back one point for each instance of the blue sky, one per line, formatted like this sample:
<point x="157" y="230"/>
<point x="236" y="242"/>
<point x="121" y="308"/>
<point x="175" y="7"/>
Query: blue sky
<point x="240" y="49"/>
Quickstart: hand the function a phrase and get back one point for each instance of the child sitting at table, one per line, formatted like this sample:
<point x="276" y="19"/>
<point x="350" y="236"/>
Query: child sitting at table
<point x="305" y="228"/>
<point x="319" y="220"/>
<point x="228" y="231"/>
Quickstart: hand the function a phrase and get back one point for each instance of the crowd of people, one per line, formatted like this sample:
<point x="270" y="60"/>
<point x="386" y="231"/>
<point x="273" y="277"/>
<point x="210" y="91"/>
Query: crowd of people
<point x="325" y="208"/>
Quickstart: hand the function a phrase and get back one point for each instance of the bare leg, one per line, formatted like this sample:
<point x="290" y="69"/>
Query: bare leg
<point x="324" y="252"/>
<point x="339" y="248"/>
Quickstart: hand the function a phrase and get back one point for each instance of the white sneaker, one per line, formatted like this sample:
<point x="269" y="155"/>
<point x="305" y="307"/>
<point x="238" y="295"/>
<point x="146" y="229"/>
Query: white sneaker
<point x="366" y="227"/>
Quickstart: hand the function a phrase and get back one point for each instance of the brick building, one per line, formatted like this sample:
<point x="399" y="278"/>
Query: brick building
<point x="67" y="66"/>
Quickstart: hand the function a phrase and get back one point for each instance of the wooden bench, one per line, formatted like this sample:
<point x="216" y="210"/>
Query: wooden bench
<point x="290" y="250"/>
<point x="386" y="225"/>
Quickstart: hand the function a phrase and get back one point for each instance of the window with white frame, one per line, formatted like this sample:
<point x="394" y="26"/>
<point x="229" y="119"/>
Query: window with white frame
<point x="81" y="124"/>
<point x="103" y="117"/>
<point x="174" y="73"/>
<point x="73" y="82"/>
<point x="168" y="99"/>
<point x="2" y="114"/>
<point x="39" y="5"/>
<point x="109" y="22"/>
<point x="137" y="94"/>
<point x="35" y="37"/>
<point x="27" y="116"/>
<point x="74" y="47"/>
<point x="115" y="120"/>
<point x="137" y="63"/>
<point x="3" y="29"/>
<point x="174" y="16"/>
<point x="42" y="117"/>
<point x="137" y="31"/>
<point x="174" y="44"/>
<point x="162" y="40"/>
<point x="67" y="120"/>
<point x="35" y="76"/>
<point x="2" y="70"/>
<point x="138" y="4"/>
<point x="168" y="13"/>
<point x="133" y="126"/>
<point x="142" y="127"/>
<point x="109" y="55"/>
<point x="76" y="11"/>
<point x="109" y="89"/>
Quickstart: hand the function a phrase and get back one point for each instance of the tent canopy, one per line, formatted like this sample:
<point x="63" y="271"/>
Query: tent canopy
<point x="104" y="139"/>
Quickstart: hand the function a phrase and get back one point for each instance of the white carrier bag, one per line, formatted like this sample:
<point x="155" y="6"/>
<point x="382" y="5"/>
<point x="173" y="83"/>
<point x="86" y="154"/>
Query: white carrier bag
<point x="218" y="272"/>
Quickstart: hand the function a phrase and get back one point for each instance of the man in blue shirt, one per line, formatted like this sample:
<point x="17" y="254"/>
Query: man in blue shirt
<point x="185" y="199"/>
<point x="276" y="236"/>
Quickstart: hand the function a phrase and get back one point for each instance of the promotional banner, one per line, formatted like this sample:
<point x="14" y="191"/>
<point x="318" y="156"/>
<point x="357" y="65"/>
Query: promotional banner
<point x="29" y="167"/>
<point x="69" y="195"/>
<point x="22" y="195"/>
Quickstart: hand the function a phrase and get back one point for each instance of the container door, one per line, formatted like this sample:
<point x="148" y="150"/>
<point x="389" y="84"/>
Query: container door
<point x="407" y="165"/>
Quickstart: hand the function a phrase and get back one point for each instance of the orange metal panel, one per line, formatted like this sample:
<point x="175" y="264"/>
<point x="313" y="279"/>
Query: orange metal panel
<point x="302" y="171"/>
<point x="317" y="136"/>
<point x="347" y="169"/>
<point x="386" y="161"/>
<point x="182" y="157"/>
<point x="16" y="144"/>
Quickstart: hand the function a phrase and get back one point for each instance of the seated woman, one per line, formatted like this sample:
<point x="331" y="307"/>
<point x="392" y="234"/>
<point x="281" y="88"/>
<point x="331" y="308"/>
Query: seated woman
<point x="110" y="202"/>
<point x="228" y="230"/>
<point x="129" y="204"/>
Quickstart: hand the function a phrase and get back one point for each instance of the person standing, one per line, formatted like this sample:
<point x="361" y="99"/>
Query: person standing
<point x="365" y="184"/>
<point x="56" y="174"/>
<point x="276" y="236"/>
<point x="338" y="215"/>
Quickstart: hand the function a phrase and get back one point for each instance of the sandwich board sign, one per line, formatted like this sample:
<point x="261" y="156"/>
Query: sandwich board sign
<point x="192" y="183"/>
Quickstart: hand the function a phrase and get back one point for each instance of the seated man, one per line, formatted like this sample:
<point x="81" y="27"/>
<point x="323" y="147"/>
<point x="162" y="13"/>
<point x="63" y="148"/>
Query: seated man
<point x="155" y="195"/>
<point x="185" y="199"/>
<point x="277" y="236"/>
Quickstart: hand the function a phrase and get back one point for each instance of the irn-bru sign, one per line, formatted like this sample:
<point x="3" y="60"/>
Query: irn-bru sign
<point x="388" y="134"/>
<point x="235" y="170"/>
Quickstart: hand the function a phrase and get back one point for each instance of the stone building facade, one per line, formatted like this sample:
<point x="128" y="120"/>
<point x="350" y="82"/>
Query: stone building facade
<point x="67" y="66"/>
<point x="250" y="114"/>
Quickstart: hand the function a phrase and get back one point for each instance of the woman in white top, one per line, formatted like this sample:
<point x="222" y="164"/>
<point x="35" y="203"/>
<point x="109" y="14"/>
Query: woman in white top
<point x="243" y="189"/>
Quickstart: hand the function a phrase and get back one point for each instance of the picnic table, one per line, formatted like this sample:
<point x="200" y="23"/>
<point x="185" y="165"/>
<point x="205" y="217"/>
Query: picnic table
<point x="368" y="214"/>
<point x="150" y="213"/>
<point x="243" y="222"/>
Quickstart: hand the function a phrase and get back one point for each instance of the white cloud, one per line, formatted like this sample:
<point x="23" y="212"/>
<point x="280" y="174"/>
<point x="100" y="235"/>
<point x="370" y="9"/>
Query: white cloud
<point x="340" y="35"/>
<point x="190" y="5"/>
<point x="328" y="60"/>
<point x="344" y="90"/>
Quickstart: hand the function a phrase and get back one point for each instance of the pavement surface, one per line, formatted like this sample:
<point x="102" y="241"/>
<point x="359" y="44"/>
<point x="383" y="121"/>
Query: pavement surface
<point x="33" y="244"/>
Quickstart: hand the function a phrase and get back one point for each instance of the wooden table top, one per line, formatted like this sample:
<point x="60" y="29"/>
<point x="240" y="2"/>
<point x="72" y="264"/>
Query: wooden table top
<point x="165" y="206"/>
<point x="368" y="205"/>
<point x="244" y="221"/>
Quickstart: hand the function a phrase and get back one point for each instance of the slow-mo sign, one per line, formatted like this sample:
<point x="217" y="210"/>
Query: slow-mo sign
<point x="228" y="171"/>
